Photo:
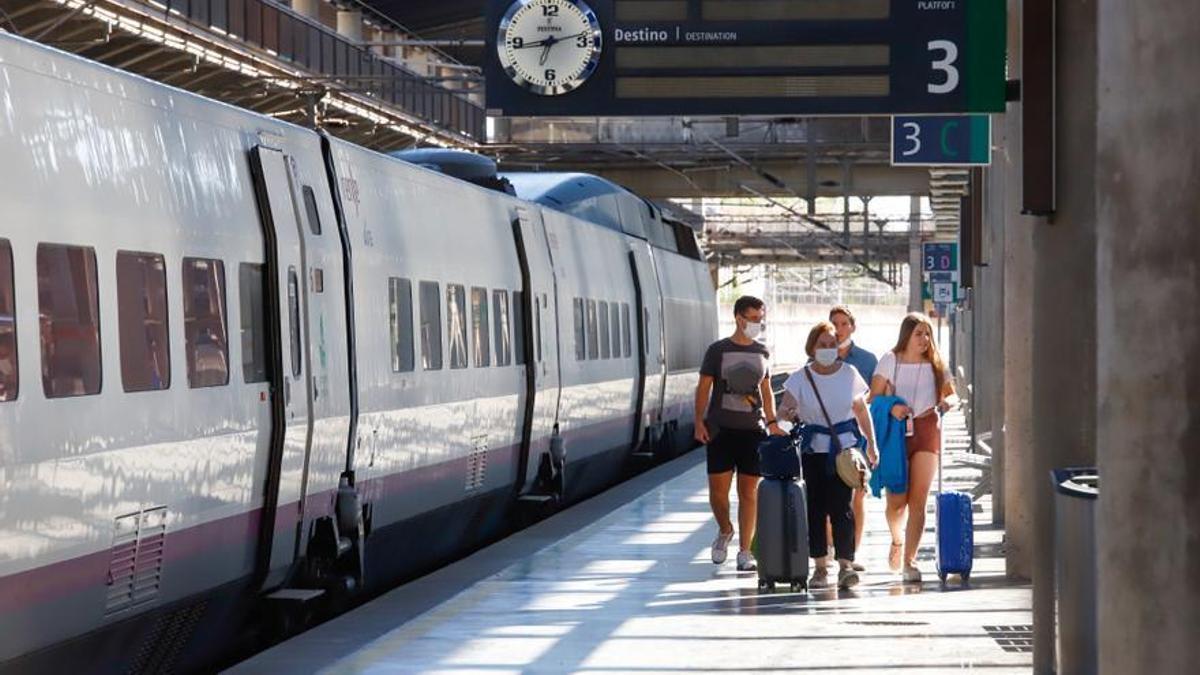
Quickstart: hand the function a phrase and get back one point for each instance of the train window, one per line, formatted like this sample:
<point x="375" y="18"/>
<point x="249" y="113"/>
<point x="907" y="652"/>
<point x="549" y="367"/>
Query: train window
<point x="431" y="326"/>
<point x="205" y="340"/>
<point x="252" y="289"/>
<point x="69" y="318"/>
<point x="615" y="323"/>
<point x="481" y="344"/>
<point x="580" y="331"/>
<point x="310" y="208"/>
<point x="401" y="320"/>
<point x="500" y="327"/>
<point x="518" y="317"/>
<point x="9" y="380"/>
<point x="604" y="339"/>
<point x="456" y="324"/>
<point x="593" y="338"/>
<point x="69" y="312"/>
<point x="625" y="329"/>
<point x="318" y="280"/>
<point x="142" y="320"/>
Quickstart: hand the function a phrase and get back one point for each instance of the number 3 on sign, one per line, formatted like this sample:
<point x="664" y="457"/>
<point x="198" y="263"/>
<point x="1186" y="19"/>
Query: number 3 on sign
<point x="946" y="65"/>
<point x="913" y="136"/>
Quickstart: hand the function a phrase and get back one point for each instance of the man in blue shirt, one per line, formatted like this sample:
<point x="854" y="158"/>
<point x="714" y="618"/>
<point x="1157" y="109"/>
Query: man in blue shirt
<point x="864" y="362"/>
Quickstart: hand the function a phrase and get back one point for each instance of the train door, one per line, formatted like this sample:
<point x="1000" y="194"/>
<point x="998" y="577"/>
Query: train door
<point x="539" y="305"/>
<point x="650" y="337"/>
<point x="286" y="309"/>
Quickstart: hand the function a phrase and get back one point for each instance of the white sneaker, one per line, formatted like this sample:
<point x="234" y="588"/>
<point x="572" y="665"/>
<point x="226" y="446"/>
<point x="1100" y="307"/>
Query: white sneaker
<point x="911" y="573"/>
<point x="720" y="547"/>
<point x="820" y="578"/>
<point x="746" y="562"/>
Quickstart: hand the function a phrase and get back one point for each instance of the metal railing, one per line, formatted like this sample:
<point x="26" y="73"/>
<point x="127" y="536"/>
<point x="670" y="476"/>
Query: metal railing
<point x="320" y="50"/>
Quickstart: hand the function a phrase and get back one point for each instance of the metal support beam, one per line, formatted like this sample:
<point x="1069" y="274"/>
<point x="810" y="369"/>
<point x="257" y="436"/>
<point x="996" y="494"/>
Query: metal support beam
<point x="846" y="198"/>
<point x="426" y="43"/>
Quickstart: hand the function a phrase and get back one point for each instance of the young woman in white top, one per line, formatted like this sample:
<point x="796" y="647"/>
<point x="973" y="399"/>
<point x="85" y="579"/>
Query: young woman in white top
<point x="844" y="394"/>
<point x="914" y="371"/>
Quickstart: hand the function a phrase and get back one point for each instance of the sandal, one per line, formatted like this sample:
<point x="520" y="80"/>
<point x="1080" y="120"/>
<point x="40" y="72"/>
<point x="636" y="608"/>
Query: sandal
<point x="894" y="556"/>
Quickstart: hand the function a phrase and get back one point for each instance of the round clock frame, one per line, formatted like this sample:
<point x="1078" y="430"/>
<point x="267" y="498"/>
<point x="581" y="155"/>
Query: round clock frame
<point x="581" y="70"/>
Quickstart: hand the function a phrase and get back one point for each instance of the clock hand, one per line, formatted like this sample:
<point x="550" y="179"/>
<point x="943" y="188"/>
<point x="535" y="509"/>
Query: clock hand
<point x="539" y="43"/>
<point x="550" y="42"/>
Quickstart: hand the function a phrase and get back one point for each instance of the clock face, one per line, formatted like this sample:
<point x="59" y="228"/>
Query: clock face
<point x="549" y="46"/>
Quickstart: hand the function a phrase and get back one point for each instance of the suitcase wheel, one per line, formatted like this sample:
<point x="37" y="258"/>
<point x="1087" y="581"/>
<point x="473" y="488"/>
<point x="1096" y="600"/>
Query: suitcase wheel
<point x="942" y="576"/>
<point x="797" y="586"/>
<point x="966" y="578"/>
<point x="764" y="585"/>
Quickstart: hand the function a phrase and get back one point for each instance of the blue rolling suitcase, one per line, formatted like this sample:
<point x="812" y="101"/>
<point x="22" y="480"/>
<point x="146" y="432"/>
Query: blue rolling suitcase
<point x="955" y="529"/>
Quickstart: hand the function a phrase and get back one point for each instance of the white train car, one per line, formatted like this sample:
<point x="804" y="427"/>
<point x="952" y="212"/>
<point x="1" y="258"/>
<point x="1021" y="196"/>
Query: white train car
<point x="143" y="459"/>
<point x="246" y="368"/>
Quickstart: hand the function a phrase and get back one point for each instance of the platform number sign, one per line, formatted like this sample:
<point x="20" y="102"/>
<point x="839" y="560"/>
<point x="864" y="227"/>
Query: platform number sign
<point x="939" y="140"/>
<point x="944" y="64"/>
<point x="940" y="257"/>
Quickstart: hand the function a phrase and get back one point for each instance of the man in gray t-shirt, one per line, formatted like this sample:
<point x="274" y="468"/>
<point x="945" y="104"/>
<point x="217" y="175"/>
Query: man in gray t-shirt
<point x="732" y="398"/>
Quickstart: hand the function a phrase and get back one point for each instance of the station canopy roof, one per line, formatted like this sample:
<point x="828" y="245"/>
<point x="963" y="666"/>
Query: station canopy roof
<point x="440" y="20"/>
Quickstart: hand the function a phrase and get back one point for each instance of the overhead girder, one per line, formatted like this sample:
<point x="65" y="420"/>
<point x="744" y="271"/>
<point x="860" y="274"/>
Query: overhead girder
<point x="728" y="180"/>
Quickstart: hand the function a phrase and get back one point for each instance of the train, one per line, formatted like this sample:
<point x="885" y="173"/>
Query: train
<point x="280" y="372"/>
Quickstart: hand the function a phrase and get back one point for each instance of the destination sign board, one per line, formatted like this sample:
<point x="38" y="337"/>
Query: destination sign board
<point x="731" y="57"/>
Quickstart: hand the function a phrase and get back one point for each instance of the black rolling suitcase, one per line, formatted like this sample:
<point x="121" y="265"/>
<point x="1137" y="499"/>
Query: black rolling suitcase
<point x="782" y="532"/>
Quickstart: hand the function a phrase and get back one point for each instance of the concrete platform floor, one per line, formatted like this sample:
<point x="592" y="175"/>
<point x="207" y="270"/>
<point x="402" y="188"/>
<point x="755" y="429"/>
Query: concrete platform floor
<point x="624" y="583"/>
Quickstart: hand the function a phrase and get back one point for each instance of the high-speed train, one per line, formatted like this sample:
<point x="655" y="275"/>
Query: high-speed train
<point x="247" y="369"/>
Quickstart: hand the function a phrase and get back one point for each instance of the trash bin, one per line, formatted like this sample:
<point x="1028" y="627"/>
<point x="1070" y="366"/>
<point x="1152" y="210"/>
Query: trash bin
<point x="1075" y="567"/>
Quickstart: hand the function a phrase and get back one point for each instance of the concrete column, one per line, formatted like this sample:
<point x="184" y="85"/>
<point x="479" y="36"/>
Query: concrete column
<point x="914" y="254"/>
<point x="350" y="24"/>
<point x="309" y="8"/>
<point x="990" y="382"/>
<point x="1064" y="304"/>
<point x="1148" y="333"/>
<point x="1018" y="336"/>
<point x="378" y="35"/>
<point x="391" y="52"/>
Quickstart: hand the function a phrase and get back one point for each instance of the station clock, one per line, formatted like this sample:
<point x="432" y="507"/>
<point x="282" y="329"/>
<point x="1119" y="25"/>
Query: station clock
<point x="549" y="47"/>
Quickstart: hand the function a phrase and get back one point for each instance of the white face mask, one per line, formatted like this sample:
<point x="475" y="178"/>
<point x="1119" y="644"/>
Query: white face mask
<point x="753" y="330"/>
<point x="826" y="357"/>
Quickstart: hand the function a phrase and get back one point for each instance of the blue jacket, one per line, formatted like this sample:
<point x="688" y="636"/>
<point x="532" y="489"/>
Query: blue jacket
<point x="892" y="472"/>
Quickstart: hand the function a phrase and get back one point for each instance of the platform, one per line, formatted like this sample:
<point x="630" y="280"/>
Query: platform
<point x="624" y="583"/>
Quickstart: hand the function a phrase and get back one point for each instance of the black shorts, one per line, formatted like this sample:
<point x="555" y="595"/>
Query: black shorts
<point x="732" y="448"/>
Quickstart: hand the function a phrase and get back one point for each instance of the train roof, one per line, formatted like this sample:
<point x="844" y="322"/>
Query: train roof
<point x="591" y="198"/>
<point x="584" y="196"/>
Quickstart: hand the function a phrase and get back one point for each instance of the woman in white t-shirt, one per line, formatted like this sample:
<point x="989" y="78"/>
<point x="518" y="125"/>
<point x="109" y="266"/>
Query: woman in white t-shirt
<point x="915" y="372"/>
<point x="843" y="392"/>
